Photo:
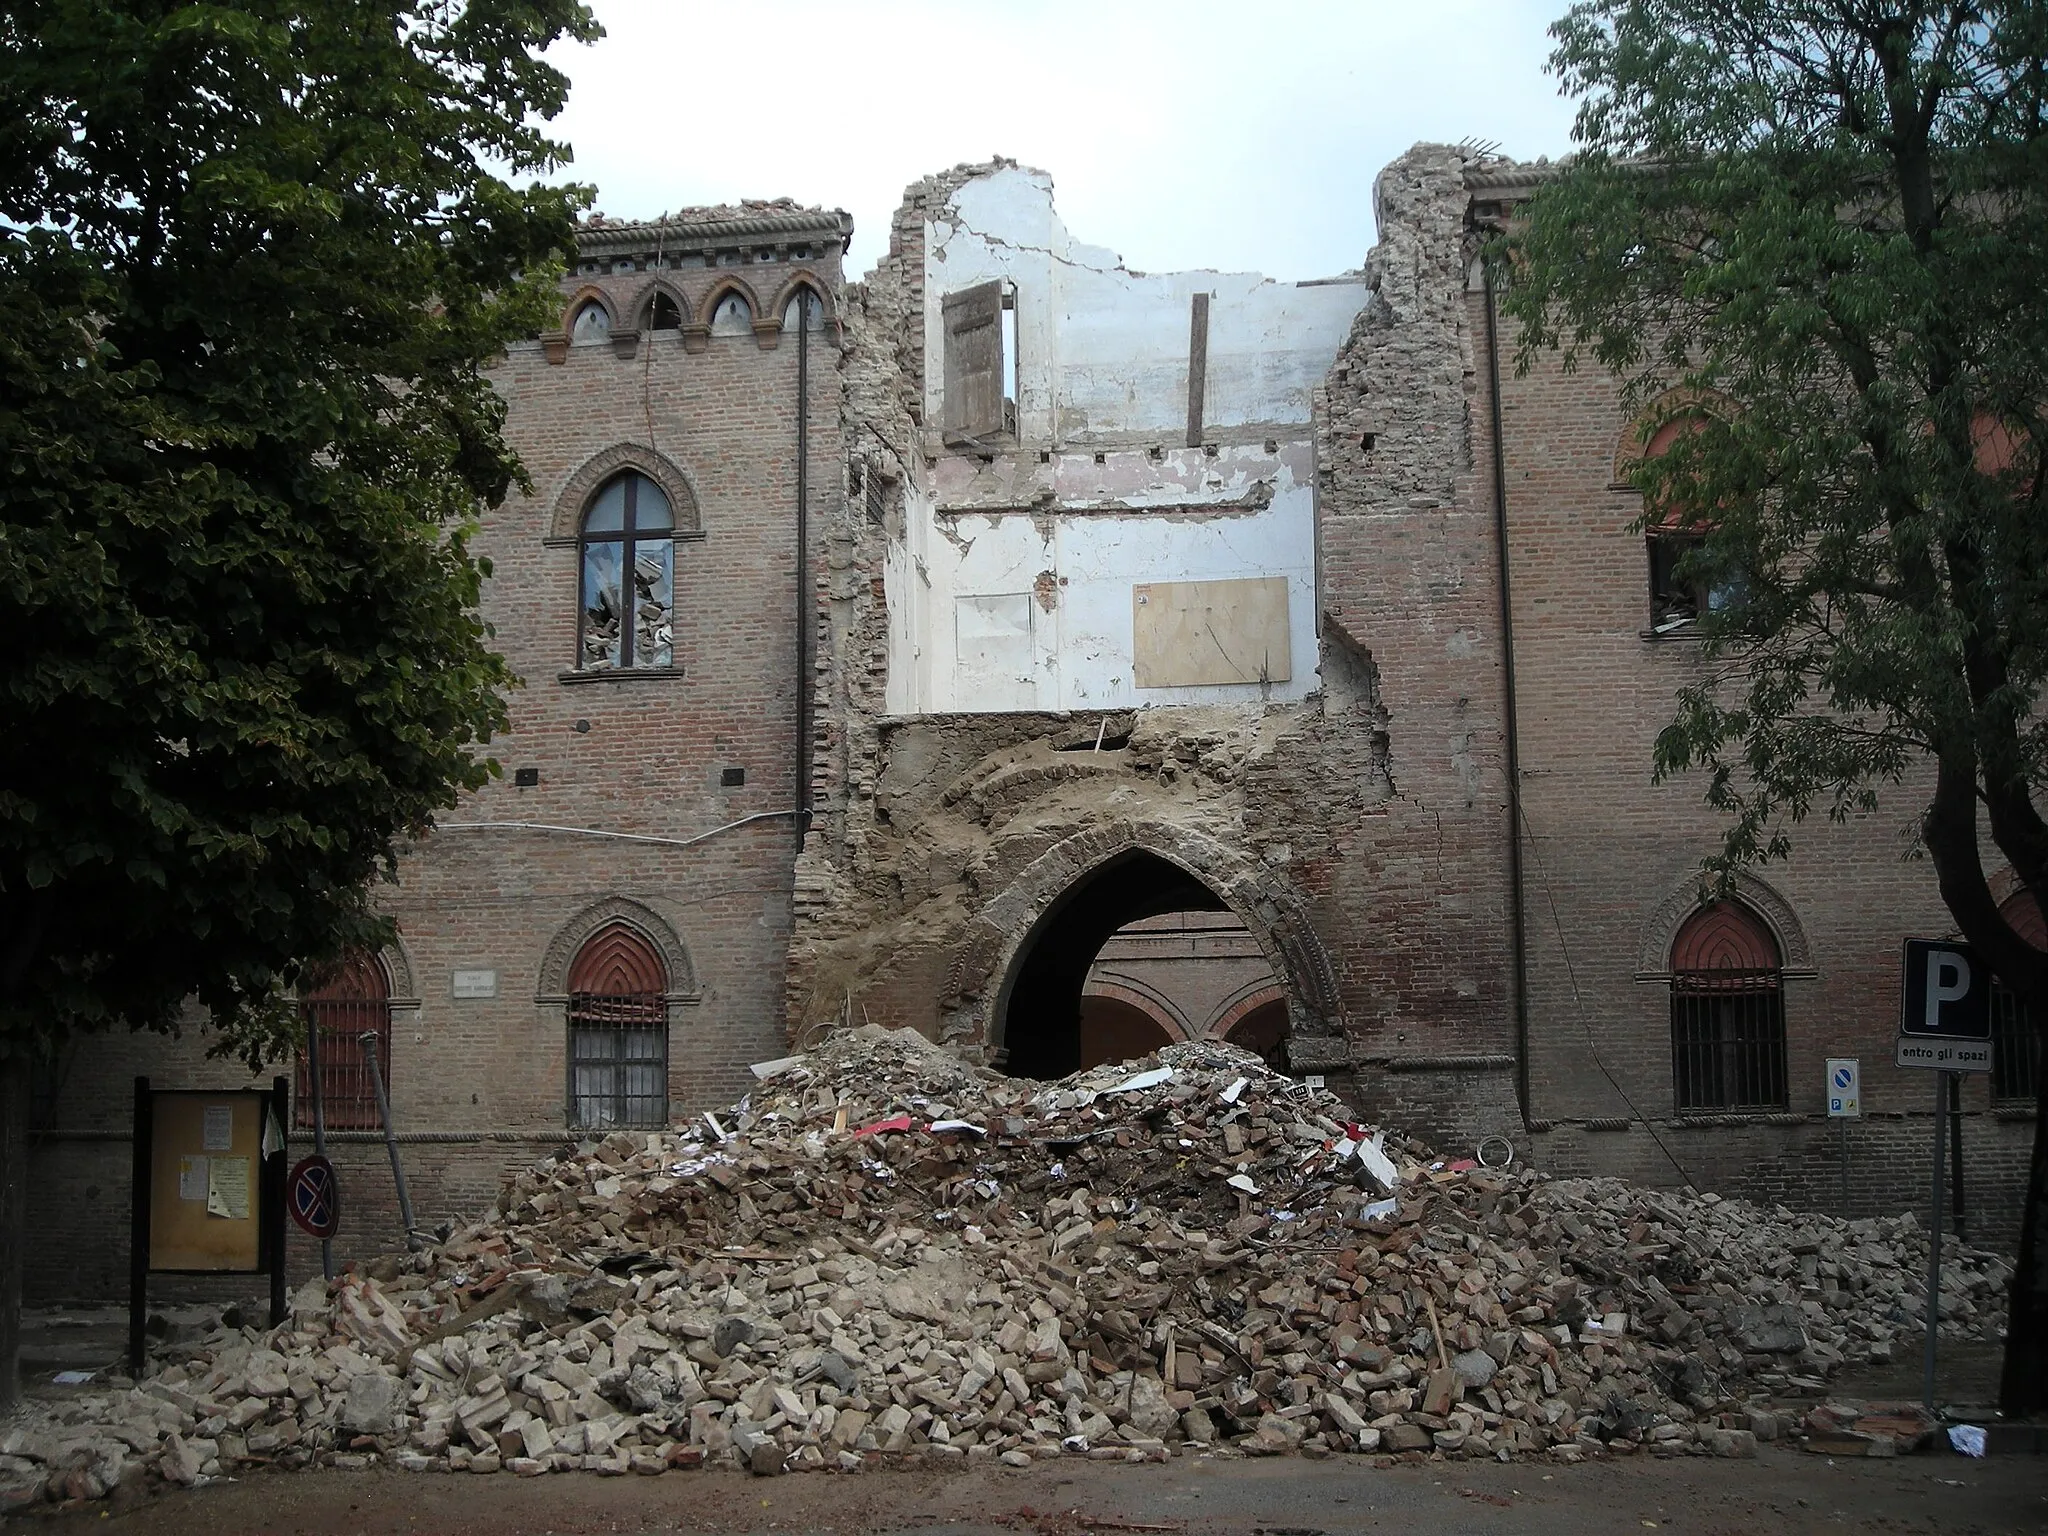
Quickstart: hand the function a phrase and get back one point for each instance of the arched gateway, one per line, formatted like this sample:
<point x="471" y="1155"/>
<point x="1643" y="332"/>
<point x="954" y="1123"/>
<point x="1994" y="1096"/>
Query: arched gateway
<point x="1062" y="915"/>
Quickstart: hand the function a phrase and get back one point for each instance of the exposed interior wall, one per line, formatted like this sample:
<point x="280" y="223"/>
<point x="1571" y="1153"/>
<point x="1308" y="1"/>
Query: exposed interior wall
<point x="1011" y="577"/>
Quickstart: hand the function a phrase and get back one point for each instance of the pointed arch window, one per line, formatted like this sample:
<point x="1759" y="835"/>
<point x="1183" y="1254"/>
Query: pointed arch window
<point x="593" y="322"/>
<point x="618" y="1032"/>
<point x="626" y="599"/>
<point x="350" y="1001"/>
<point x="732" y="317"/>
<point x="1727" y="1012"/>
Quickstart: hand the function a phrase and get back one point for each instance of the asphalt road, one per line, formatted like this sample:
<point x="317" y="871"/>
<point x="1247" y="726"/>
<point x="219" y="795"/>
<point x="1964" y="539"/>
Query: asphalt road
<point x="1783" y="1491"/>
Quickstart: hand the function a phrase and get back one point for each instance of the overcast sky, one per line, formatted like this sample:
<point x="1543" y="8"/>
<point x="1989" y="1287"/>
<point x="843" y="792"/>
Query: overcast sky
<point x="1179" y="133"/>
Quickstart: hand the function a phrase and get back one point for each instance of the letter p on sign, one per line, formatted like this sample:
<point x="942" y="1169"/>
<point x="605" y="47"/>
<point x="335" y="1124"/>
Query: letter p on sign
<point x="1948" y="981"/>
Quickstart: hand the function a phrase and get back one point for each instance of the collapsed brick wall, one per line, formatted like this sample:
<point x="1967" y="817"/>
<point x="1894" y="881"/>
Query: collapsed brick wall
<point x="1359" y="833"/>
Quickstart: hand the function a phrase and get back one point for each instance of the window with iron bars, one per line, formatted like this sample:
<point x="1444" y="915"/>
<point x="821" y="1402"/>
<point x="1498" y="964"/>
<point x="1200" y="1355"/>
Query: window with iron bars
<point x="618" y="1060"/>
<point x="350" y="1001"/>
<point x="1728" y="1040"/>
<point x="349" y="1102"/>
<point x="2015" y="1049"/>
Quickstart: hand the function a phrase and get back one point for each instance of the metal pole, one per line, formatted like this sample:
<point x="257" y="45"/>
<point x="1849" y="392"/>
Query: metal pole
<point x="1955" y="1153"/>
<point x="1842" y="1157"/>
<point x="141" y="1174"/>
<point x="369" y="1043"/>
<point x="319" y="1119"/>
<point x="1934" y="1240"/>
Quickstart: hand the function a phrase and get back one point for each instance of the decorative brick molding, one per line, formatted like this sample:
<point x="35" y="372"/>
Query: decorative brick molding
<point x="1653" y="962"/>
<point x="1637" y="435"/>
<point x="650" y="925"/>
<point x="405" y="987"/>
<point x="674" y="480"/>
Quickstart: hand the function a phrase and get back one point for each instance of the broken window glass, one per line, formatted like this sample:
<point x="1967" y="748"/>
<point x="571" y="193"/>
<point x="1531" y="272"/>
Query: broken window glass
<point x="603" y="634"/>
<point x="627" y="577"/>
<point x="593" y="323"/>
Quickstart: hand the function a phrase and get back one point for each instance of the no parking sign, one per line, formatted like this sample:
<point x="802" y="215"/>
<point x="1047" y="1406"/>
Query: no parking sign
<point x="313" y="1196"/>
<point x="1845" y="1090"/>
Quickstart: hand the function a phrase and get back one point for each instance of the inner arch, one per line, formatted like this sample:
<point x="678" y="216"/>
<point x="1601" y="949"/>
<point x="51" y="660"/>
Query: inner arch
<point x="1039" y="1020"/>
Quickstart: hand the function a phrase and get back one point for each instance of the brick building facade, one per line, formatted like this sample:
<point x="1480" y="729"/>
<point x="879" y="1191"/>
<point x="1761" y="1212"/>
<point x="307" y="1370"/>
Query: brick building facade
<point x="624" y="889"/>
<point x="1123" y="604"/>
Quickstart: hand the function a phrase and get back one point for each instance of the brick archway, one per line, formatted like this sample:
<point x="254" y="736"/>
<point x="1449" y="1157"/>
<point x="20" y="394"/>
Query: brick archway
<point x="1234" y="1012"/>
<point x="1015" y="921"/>
<point x="1156" y="1008"/>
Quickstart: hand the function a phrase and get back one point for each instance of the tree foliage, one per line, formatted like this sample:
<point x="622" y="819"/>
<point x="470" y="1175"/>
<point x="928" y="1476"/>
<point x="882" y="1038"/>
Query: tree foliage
<point x="254" y="258"/>
<point x="1811" y="232"/>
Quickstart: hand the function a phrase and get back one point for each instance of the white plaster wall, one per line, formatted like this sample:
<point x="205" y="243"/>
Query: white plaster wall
<point x="1099" y="493"/>
<point x="1104" y="350"/>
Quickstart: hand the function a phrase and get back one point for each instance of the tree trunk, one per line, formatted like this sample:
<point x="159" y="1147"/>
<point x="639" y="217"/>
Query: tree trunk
<point x="2023" y="1388"/>
<point x="14" y="1080"/>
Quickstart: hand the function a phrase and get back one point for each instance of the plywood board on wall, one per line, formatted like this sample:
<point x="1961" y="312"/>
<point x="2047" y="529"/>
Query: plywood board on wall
<point x="1188" y="633"/>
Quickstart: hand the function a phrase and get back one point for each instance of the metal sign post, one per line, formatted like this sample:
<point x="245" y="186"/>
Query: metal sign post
<point x="1944" y="1025"/>
<point x="1934" y="1244"/>
<point x="312" y="1018"/>
<point x="1845" y="1103"/>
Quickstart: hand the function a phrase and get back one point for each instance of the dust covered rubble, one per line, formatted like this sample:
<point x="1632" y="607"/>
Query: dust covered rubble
<point x="887" y="1251"/>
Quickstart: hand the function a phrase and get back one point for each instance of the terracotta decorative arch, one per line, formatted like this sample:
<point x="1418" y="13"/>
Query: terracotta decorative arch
<point x="1149" y="1001"/>
<point x="643" y="303"/>
<point x="1660" y="929"/>
<point x="395" y="981"/>
<point x="405" y="990"/>
<point x="1247" y="1001"/>
<point x="674" y="480"/>
<point x="588" y="294"/>
<point x="643" y="921"/>
<point x="768" y="322"/>
<point x="618" y="961"/>
<point x="1642" y="431"/>
<point x="1724" y="936"/>
<point x="1271" y="913"/>
<point x="804" y="277"/>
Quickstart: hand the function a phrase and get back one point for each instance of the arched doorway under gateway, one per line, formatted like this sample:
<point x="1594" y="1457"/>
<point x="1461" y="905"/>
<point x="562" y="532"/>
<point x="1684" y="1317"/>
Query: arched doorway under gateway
<point x="1046" y="1022"/>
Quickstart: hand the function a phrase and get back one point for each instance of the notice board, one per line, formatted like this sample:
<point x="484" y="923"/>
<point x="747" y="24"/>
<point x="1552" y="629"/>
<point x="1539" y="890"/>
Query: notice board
<point x="206" y="1182"/>
<point x="1187" y="633"/>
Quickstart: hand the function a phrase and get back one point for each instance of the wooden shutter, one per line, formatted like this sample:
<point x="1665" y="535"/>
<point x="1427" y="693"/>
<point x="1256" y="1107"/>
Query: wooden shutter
<point x="974" y="361"/>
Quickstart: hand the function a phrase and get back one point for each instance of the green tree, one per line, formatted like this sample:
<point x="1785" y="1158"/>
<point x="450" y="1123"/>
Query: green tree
<point x="1812" y="233"/>
<point x="253" y="260"/>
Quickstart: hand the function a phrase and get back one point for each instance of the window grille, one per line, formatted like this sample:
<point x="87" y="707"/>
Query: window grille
<point x="2015" y="1049"/>
<point x="1728" y="1040"/>
<point x="618" y="1033"/>
<point x="2015" y="1043"/>
<point x="353" y="1000"/>
<point x="1727" y="1013"/>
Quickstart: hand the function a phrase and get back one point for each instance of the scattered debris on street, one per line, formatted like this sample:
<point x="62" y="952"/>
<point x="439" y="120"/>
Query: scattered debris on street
<point x="885" y="1251"/>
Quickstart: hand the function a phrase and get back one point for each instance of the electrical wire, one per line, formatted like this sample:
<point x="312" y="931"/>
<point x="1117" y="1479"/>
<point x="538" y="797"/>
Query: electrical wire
<point x="624" y="837"/>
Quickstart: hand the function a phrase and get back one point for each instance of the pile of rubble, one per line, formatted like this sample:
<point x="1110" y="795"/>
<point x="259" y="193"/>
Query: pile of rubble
<point x="884" y="1250"/>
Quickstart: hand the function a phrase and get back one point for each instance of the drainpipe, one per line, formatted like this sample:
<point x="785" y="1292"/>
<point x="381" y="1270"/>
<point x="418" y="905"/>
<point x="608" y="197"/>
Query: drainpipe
<point x="1518" y="936"/>
<point x="803" y="549"/>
